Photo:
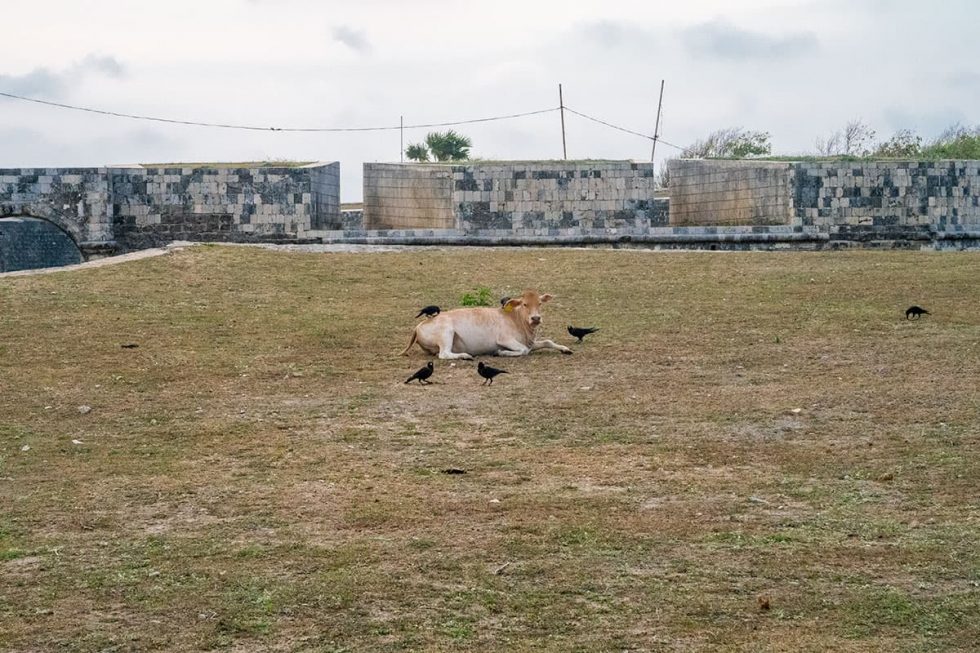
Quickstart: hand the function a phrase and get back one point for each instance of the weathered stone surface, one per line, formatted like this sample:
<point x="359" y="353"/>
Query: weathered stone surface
<point x="29" y="243"/>
<point x="523" y="197"/>
<point x="102" y="208"/>
<point x="883" y="198"/>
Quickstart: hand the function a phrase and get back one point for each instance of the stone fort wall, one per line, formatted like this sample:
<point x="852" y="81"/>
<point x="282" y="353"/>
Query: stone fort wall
<point x="520" y="198"/>
<point x="877" y="198"/>
<point x="152" y="206"/>
<point x="712" y="204"/>
<point x="106" y="209"/>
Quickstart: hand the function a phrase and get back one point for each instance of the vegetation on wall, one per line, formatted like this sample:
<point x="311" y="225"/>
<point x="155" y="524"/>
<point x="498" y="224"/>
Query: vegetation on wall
<point x="855" y="141"/>
<point x="441" y="146"/>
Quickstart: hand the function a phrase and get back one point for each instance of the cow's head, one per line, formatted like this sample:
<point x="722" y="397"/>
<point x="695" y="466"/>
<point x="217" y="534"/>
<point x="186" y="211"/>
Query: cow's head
<point x="527" y="307"/>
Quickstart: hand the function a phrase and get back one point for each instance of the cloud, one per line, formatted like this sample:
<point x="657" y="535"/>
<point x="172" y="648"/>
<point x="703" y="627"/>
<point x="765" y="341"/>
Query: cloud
<point x="605" y="33"/>
<point x="105" y="64"/>
<point x="47" y="84"/>
<point x="353" y="39"/>
<point x="28" y="147"/>
<point x="610" y="35"/>
<point x="966" y="79"/>
<point x="721" y="39"/>
<point x="39" y="83"/>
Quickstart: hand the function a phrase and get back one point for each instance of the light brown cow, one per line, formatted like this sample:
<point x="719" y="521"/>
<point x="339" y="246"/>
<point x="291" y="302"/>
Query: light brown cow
<point x="468" y="332"/>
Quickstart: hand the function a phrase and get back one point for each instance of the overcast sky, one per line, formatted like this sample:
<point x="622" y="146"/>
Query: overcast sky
<point x="798" y="69"/>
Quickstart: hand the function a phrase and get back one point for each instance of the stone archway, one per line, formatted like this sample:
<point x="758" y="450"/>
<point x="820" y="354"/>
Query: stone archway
<point x="28" y="243"/>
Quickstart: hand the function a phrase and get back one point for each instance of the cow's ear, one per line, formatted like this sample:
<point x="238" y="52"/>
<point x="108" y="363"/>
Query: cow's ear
<point x="512" y="304"/>
<point x="546" y="298"/>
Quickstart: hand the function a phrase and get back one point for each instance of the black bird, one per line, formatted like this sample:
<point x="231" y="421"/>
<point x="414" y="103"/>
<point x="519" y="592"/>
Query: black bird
<point x="422" y="374"/>
<point x="581" y="332"/>
<point x="429" y="311"/>
<point x="488" y="372"/>
<point x="916" y="311"/>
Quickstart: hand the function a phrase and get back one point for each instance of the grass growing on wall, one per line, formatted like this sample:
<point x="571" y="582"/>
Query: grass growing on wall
<point x="232" y="164"/>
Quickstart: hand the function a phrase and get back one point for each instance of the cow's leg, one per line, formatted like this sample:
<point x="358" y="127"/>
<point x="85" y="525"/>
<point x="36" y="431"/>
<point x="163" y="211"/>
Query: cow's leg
<point x="512" y="347"/>
<point x="445" y="344"/>
<point x="548" y="344"/>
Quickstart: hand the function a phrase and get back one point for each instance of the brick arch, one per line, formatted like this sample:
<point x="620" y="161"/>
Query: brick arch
<point x="71" y="227"/>
<point x="28" y="242"/>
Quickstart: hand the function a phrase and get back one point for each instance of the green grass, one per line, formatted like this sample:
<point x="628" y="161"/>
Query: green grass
<point x="256" y="476"/>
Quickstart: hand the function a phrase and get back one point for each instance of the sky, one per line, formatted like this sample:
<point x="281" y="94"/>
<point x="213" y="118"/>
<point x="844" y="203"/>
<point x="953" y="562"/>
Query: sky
<point x="798" y="69"/>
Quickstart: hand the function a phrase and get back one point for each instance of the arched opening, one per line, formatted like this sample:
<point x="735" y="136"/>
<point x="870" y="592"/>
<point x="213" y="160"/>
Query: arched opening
<point x="28" y="243"/>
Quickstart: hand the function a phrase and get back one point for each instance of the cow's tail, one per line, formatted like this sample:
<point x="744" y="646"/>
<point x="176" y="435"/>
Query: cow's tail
<point x="410" y="342"/>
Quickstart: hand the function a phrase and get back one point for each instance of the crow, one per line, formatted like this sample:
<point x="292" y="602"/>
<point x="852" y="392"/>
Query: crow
<point x="422" y="374"/>
<point x="488" y="372"/>
<point x="429" y="311"/>
<point x="581" y="332"/>
<point x="916" y="311"/>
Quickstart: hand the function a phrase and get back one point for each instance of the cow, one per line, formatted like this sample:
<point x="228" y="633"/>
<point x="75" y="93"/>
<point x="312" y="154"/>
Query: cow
<point x="468" y="332"/>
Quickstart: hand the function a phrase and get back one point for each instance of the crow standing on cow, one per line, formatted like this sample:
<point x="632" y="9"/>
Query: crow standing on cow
<point x="463" y="333"/>
<point x="429" y="311"/>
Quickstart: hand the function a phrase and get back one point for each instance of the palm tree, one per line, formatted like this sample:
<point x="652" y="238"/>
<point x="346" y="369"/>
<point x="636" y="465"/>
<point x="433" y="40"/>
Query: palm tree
<point x="418" y="152"/>
<point x="443" y="146"/>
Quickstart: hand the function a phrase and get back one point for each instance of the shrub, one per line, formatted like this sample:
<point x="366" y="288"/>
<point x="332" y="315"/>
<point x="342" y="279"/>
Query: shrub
<point x="957" y="142"/>
<point x="482" y="296"/>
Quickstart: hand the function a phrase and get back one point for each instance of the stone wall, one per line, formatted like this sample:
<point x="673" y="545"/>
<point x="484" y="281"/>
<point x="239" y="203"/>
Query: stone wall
<point x="868" y="199"/>
<point x="705" y="192"/>
<point x="939" y="195"/>
<point x="408" y="196"/>
<point x="104" y="209"/>
<point x="75" y="199"/>
<point x="521" y="197"/>
<point x="542" y="197"/>
<point x="325" y="185"/>
<point x="152" y="206"/>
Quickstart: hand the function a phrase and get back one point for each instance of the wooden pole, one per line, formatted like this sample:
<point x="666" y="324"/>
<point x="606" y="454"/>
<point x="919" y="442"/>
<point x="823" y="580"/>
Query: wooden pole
<point x="561" y="104"/>
<point x="401" y="131"/>
<point x="656" y="127"/>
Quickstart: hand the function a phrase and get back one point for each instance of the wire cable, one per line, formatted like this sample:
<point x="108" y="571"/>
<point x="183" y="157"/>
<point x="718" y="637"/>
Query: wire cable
<point x="453" y="123"/>
<point x="609" y="124"/>
<point x="275" y="129"/>
<point x="623" y="129"/>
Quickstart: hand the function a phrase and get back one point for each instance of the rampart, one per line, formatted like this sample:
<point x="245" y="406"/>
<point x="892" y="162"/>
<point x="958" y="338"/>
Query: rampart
<point x="713" y="204"/>
<point x="876" y="200"/>
<point x="152" y="206"/>
<point x="103" y="210"/>
<point x="521" y="198"/>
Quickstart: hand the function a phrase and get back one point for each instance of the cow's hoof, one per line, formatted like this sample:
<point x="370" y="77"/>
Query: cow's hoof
<point x="567" y="351"/>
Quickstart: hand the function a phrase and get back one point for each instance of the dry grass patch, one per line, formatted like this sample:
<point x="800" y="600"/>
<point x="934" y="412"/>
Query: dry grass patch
<point x="255" y="475"/>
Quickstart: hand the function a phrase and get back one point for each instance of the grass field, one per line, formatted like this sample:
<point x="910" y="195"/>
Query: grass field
<point x="748" y="430"/>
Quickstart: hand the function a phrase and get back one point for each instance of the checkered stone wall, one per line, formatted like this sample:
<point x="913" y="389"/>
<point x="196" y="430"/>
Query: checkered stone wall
<point x="152" y="206"/>
<point x="76" y="200"/>
<point x="935" y="194"/>
<point x="519" y="198"/>
<point x="882" y="199"/>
